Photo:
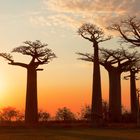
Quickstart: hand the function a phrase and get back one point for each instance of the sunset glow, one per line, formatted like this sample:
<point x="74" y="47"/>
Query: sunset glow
<point x="2" y="83"/>
<point x="66" y="81"/>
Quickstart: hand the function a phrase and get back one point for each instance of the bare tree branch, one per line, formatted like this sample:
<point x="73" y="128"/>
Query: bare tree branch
<point x="9" y="58"/>
<point x="120" y="58"/>
<point x="129" y="30"/>
<point x="18" y="64"/>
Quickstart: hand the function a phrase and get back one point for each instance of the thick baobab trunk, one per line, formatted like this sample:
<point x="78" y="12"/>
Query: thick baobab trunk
<point x="96" y="109"/>
<point x="133" y="96"/>
<point x="114" y="96"/>
<point x="31" y="109"/>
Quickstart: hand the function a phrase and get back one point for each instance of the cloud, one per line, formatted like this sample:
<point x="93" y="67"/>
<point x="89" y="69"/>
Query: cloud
<point x="60" y="20"/>
<point x="83" y="6"/>
<point x="72" y="13"/>
<point x="89" y="6"/>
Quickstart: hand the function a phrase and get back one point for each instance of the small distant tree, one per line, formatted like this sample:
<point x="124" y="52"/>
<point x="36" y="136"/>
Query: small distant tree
<point x="64" y="114"/>
<point x="43" y="116"/>
<point x="85" y="113"/>
<point x="20" y="117"/>
<point x="11" y="114"/>
<point x="40" y="55"/>
<point x="105" y="111"/>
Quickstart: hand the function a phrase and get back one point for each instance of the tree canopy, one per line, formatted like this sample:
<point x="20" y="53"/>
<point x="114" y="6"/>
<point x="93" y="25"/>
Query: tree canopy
<point x="38" y="51"/>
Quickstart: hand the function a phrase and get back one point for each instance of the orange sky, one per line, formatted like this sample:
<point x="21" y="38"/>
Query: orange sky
<point x="55" y="90"/>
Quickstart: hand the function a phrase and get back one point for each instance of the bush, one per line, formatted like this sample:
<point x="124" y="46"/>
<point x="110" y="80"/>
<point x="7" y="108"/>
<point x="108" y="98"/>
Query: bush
<point x="105" y="106"/>
<point x="11" y="114"/>
<point x="43" y="116"/>
<point x="64" y="114"/>
<point x="85" y="113"/>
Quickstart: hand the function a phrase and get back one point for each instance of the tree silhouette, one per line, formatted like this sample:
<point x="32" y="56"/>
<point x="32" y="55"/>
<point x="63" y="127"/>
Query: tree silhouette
<point x="39" y="55"/>
<point x="43" y="116"/>
<point x="9" y="114"/>
<point x="129" y="29"/>
<point x="64" y="114"/>
<point x="133" y="69"/>
<point x="95" y="35"/>
<point x="138" y="106"/>
<point x="115" y="62"/>
<point x="85" y="113"/>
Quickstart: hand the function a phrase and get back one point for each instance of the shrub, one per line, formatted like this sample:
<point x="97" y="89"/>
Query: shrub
<point x="64" y="114"/>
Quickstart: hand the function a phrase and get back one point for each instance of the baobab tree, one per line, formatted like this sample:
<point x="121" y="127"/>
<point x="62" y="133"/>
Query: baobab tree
<point x="133" y="70"/>
<point x="115" y="63"/>
<point x="133" y="96"/>
<point x="95" y="35"/>
<point x="129" y="30"/>
<point x="40" y="55"/>
<point x="138" y="106"/>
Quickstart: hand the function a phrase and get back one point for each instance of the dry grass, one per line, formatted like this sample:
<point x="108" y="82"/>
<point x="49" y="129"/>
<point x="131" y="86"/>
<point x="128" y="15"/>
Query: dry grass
<point x="68" y="134"/>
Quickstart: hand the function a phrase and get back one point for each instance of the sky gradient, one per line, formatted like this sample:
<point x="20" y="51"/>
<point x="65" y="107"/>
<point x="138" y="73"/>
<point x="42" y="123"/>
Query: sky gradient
<point x="65" y="81"/>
